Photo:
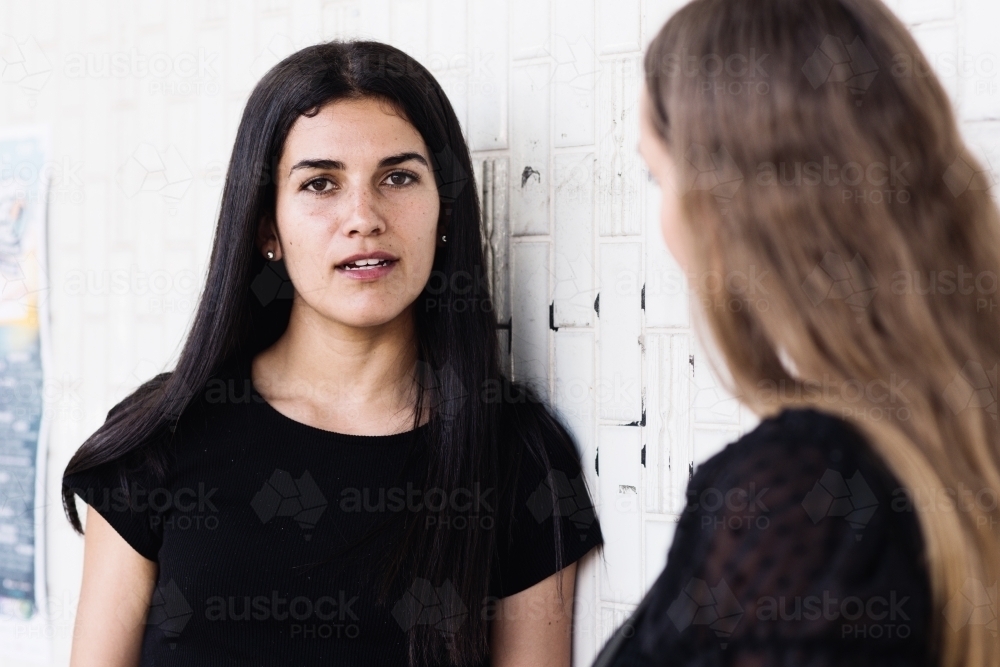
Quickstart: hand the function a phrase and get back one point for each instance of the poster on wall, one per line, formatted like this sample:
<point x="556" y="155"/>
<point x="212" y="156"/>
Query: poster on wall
<point x="25" y="163"/>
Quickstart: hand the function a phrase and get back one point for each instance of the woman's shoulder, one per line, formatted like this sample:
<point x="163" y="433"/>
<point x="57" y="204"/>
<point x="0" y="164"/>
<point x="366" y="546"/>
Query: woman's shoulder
<point x="185" y="414"/>
<point x="791" y="542"/>
<point x="796" y="445"/>
<point x="805" y="486"/>
<point x="547" y="519"/>
<point x="532" y="437"/>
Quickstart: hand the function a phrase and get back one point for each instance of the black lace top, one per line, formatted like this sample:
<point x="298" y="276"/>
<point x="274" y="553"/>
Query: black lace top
<point x="797" y="547"/>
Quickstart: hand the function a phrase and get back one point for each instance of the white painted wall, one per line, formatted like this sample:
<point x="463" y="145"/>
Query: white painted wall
<point x="140" y="152"/>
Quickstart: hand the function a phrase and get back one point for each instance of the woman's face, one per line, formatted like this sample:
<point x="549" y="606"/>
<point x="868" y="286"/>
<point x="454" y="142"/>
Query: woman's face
<point x="356" y="211"/>
<point x="661" y="166"/>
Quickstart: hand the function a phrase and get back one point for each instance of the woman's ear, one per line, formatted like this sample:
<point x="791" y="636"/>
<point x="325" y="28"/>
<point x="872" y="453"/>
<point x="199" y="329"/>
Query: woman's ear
<point x="267" y="238"/>
<point x="442" y="228"/>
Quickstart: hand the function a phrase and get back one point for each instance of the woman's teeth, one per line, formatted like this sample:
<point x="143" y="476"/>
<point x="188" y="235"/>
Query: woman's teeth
<point x="365" y="263"/>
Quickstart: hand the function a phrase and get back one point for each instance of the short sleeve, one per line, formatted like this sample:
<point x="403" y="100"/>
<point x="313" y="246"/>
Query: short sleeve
<point x="546" y="497"/>
<point x="132" y="515"/>
<point x="789" y="551"/>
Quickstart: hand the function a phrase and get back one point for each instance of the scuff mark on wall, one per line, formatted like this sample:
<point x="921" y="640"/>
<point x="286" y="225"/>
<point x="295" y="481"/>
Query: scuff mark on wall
<point x="528" y="173"/>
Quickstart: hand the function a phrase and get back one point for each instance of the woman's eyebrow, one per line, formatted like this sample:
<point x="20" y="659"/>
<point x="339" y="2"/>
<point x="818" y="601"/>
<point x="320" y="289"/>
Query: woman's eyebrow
<point x="390" y="161"/>
<point x="393" y="160"/>
<point x="316" y="164"/>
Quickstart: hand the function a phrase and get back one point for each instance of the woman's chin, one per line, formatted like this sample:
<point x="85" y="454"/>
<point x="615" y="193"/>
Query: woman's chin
<point x="367" y="316"/>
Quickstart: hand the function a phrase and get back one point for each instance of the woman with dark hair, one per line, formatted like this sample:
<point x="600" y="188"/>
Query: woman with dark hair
<point x="337" y="471"/>
<point x="810" y="144"/>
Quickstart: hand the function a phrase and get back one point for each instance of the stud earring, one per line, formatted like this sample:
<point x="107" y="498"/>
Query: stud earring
<point x="270" y="254"/>
<point x="444" y="239"/>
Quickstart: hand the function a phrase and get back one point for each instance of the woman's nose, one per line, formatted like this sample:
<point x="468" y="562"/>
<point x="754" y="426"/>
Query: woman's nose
<point x="364" y="218"/>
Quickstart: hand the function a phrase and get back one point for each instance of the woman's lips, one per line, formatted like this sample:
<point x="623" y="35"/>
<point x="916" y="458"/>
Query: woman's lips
<point x="368" y="272"/>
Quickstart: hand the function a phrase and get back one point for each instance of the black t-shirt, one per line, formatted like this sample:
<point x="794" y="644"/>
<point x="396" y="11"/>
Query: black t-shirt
<point x="258" y="529"/>
<point x="797" y="547"/>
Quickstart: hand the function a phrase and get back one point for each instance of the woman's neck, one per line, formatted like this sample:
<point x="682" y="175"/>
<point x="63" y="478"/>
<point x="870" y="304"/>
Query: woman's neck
<point x="341" y="378"/>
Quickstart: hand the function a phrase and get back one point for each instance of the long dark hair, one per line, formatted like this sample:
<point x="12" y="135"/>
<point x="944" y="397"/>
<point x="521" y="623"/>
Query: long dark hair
<point x="458" y="344"/>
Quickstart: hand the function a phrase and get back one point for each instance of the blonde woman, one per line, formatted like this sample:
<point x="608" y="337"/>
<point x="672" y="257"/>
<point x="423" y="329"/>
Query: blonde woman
<point x="809" y="144"/>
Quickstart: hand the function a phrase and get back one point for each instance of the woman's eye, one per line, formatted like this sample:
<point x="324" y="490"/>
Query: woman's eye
<point x="319" y="185"/>
<point x="400" y="178"/>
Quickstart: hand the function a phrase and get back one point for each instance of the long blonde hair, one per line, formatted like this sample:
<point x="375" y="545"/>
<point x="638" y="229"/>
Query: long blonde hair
<point x="817" y="152"/>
